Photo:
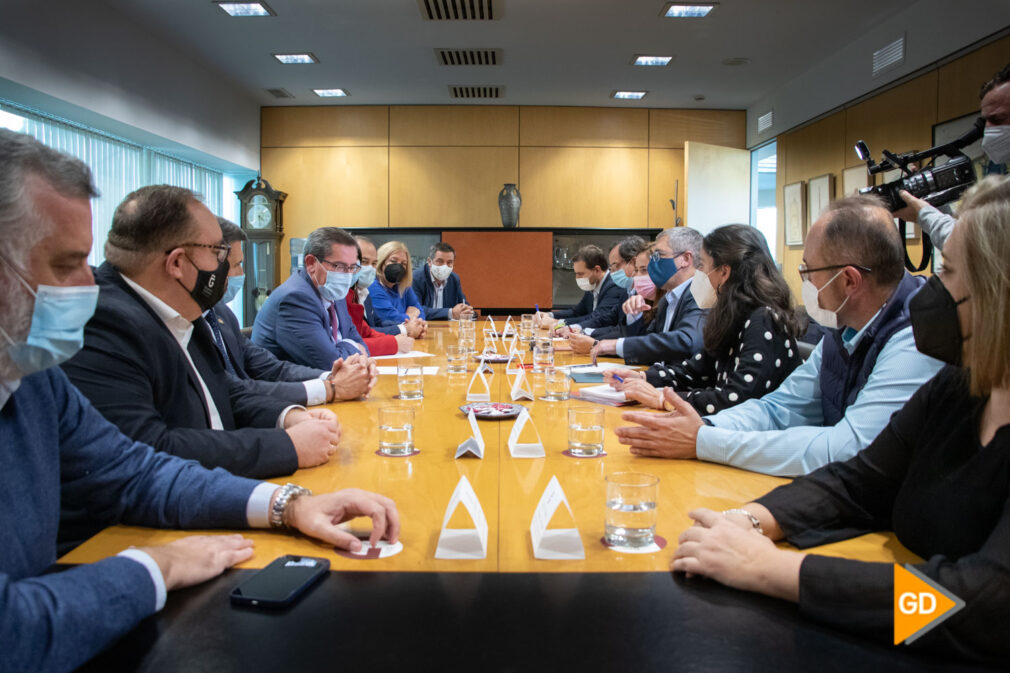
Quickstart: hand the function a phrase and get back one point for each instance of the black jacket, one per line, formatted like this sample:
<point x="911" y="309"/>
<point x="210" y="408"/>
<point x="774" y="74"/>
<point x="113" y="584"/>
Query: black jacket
<point x="684" y="338"/>
<point x="607" y="311"/>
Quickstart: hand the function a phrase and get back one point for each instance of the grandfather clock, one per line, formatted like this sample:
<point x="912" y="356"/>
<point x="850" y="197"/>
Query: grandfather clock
<point x="263" y="224"/>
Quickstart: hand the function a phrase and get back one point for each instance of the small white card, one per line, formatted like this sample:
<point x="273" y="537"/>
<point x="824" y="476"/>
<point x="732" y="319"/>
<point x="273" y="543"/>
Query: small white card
<point x="527" y="450"/>
<point x="463" y="543"/>
<point x="521" y="389"/>
<point x="473" y="444"/>
<point x="561" y="544"/>
<point x="398" y="356"/>
<point x="479" y="396"/>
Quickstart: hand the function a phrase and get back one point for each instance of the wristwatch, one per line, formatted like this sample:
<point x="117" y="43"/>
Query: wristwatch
<point x="285" y="495"/>
<point x="753" y="519"/>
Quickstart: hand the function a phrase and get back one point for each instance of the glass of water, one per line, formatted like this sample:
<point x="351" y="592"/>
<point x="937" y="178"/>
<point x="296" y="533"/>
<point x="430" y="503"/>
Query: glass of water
<point x="396" y="431"/>
<point x="630" y="517"/>
<point x="526" y="327"/>
<point x="456" y="359"/>
<point x="557" y="385"/>
<point x="543" y="354"/>
<point x="585" y="431"/>
<point x="410" y="381"/>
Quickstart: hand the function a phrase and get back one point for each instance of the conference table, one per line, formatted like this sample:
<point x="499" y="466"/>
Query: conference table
<point x="509" y="610"/>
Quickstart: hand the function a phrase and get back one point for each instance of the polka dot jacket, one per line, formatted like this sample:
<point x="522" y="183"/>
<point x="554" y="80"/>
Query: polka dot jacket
<point x="764" y="356"/>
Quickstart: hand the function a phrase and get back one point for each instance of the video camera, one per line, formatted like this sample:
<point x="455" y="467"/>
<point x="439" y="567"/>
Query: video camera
<point x="935" y="185"/>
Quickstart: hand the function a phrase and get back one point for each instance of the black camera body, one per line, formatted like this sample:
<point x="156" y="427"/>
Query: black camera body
<point x="936" y="186"/>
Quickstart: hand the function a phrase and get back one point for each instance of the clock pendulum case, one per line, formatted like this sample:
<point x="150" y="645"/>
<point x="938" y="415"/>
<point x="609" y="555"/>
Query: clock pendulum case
<point x="261" y="219"/>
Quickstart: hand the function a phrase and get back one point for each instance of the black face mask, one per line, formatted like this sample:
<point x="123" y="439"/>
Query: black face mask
<point x="393" y="273"/>
<point x="210" y="285"/>
<point x="935" y="325"/>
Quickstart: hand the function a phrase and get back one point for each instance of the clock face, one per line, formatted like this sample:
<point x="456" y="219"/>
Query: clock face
<point x="258" y="216"/>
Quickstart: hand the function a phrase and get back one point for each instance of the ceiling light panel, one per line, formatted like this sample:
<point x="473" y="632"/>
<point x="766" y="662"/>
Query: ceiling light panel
<point x="652" y="60"/>
<point x="246" y="9"/>
<point x="676" y="10"/>
<point x="628" y="95"/>
<point x="296" y="59"/>
<point x="330" y="93"/>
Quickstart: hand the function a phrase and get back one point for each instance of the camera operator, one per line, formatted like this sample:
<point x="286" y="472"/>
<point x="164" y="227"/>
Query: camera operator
<point x="995" y="111"/>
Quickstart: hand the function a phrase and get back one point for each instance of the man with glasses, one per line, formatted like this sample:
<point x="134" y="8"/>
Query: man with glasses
<point x="836" y="402"/>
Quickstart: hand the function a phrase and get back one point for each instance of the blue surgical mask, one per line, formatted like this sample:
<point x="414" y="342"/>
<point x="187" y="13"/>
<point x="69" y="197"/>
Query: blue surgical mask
<point x="366" y="276"/>
<point x="620" y="279"/>
<point x="336" y="286"/>
<point x="661" y="270"/>
<point x="57" y="329"/>
<point x="234" y="288"/>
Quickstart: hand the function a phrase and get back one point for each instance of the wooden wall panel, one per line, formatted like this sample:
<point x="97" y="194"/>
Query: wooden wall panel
<point x="453" y="125"/>
<point x="525" y="257"/>
<point x="672" y="128"/>
<point x="317" y="126"/>
<point x="447" y="187"/>
<point x="666" y="170"/>
<point x="960" y="81"/>
<point x="584" y="187"/>
<point x="899" y="119"/>
<point x="583" y="127"/>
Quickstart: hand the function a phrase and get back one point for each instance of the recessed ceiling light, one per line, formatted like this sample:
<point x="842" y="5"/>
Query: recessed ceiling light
<point x="293" y="59"/>
<point x="330" y="93"/>
<point x="246" y="8"/>
<point x="680" y="10"/>
<point x="628" y="95"/>
<point x="652" y="60"/>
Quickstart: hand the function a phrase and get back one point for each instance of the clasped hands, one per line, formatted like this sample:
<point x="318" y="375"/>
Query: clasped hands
<point x="673" y="434"/>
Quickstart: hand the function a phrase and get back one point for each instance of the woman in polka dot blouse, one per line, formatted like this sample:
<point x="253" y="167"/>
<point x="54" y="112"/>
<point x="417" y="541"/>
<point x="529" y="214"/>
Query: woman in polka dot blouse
<point x="750" y="331"/>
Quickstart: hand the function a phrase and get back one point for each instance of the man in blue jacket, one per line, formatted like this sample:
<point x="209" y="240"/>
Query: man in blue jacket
<point x="601" y="296"/>
<point x="438" y="286"/>
<point x="57" y="451"/>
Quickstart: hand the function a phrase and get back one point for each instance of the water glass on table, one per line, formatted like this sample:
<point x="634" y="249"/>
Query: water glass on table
<point x="585" y="431"/>
<point x="410" y="381"/>
<point x="543" y="354"/>
<point x="630" y="514"/>
<point x="456" y="359"/>
<point x="526" y="327"/>
<point x="557" y="385"/>
<point x="396" y="431"/>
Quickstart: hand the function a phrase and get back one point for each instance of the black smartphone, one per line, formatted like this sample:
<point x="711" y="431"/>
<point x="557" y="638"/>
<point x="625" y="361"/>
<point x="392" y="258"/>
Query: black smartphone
<point x="281" y="582"/>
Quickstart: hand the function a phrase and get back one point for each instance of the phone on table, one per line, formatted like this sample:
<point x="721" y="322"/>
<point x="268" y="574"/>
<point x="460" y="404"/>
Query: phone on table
<point x="280" y="583"/>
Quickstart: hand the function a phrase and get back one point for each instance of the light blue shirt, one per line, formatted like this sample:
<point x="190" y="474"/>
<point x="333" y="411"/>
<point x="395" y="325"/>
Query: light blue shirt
<point x="783" y="434"/>
<point x="672" y="297"/>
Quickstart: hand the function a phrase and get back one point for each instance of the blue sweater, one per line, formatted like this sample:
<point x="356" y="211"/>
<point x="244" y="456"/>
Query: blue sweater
<point x="56" y="450"/>
<point x="391" y="306"/>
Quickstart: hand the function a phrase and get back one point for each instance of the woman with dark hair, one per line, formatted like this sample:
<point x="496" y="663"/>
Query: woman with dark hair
<point x="750" y="331"/>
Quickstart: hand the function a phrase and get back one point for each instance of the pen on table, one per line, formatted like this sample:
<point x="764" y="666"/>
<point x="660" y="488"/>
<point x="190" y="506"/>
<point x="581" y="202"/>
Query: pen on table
<point x="618" y="378"/>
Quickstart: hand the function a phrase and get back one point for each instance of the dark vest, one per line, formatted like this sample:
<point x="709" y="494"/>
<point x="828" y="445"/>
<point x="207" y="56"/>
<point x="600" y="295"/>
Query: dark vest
<point x="844" y="375"/>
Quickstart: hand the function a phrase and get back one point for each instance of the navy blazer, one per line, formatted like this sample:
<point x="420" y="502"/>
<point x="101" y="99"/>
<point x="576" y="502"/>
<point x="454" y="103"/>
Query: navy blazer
<point x="294" y="325"/>
<point x="607" y="311"/>
<point x="652" y="345"/>
<point x="424" y="288"/>
<point x="132" y="370"/>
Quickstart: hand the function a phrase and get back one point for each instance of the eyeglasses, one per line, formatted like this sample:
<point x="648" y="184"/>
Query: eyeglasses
<point x="805" y="272"/>
<point x="340" y="267"/>
<point x="222" y="249"/>
<point x="656" y="255"/>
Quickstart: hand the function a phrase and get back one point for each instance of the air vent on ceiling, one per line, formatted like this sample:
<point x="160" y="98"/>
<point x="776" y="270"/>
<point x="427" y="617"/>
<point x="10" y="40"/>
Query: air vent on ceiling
<point x="468" y="56"/>
<point x="765" y="121"/>
<point x="459" y="10"/>
<point x="889" y="56"/>
<point x="280" y="93"/>
<point x="476" y="91"/>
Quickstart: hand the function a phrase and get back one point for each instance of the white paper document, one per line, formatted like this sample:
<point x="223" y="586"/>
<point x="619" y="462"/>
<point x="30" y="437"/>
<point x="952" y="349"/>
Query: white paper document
<point x="463" y="543"/>
<point x="598" y="368"/>
<point x="521" y="388"/>
<point x="475" y="442"/>
<point x="397" y="356"/>
<point x="602" y="393"/>
<point x="428" y="371"/>
<point x="560" y="544"/>
<point x="529" y="449"/>
<point x="471" y="395"/>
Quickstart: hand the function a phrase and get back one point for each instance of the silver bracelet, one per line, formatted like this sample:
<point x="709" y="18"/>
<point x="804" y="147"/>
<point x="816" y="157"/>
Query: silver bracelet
<point x="286" y="494"/>
<point x="753" y="519"/>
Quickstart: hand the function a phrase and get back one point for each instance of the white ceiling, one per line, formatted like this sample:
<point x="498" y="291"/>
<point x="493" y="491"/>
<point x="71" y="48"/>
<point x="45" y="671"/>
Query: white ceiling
<point x="556" y="52"/>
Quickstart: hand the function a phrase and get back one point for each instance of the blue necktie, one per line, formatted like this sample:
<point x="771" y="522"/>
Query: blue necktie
<point x="219" y="341"/>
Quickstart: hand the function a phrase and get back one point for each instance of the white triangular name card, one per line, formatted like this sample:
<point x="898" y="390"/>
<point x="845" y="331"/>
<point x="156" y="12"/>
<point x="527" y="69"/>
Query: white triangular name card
<point x="561" y="544"/>
<point x="509" y="329"/>
<point x="527" y="450"/>
<point x="463" y="543"/>
<point x="490" y="342"/>
<point x="475" y="442"/>
<point x="479" y="396"/>
<point x="515" y="363"/>
<point x="521" y="386"/>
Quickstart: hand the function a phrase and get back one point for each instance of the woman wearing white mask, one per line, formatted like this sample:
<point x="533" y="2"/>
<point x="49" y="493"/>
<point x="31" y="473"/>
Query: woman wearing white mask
<point x="750" y="331"/>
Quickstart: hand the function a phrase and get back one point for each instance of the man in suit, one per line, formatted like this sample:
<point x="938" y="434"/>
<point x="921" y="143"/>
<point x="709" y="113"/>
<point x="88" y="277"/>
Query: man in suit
<point x="676" y="329"/>
<point x="261" y="369"/>
<point x="413" y="328"/>
<point x="305" y="320"/>
<point x="149" y="363"/>
<point x="601" y="298"/>
<point x="438" y="286"/>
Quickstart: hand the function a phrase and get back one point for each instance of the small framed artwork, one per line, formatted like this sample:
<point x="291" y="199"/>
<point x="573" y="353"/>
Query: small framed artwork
<point x="854" y="179"/>
<point x="793" y="197"/>
<point x="820" y="191"/>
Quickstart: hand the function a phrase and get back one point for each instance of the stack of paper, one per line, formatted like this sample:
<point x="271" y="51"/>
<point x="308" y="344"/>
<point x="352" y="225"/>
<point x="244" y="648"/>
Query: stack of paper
<point x="603" y="394"/>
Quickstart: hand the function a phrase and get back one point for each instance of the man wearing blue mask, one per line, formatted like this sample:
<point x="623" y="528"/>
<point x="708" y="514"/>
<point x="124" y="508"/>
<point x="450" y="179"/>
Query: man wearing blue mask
<point x="305" y="320"/>
<point x="58" y="453"/>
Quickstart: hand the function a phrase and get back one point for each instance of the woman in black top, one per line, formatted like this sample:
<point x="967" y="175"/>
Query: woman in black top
<point x="938" y="475"/>
<point x="750" y="330"/>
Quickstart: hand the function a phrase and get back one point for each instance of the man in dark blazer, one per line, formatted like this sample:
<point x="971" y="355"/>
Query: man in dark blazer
<point x="437" y="286"/>
<point x="676" y="328"/>
<point x="413" y="328"/>
<point x="601" y="299"/>
<point x="305" y="320"/>
<point x="149" y="363"/>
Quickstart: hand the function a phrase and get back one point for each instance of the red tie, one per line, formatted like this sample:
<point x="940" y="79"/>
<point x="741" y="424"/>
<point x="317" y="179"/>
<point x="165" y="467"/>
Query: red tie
<point x="334" y="324"/>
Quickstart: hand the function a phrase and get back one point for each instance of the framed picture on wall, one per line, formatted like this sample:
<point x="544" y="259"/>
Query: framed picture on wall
<point x="794" y="199"/>
<point x="854" y="179"/>
<point x="820" y="191"/>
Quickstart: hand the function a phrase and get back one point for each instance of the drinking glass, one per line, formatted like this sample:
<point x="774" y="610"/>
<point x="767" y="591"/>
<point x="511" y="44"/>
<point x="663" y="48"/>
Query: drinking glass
<point x="396" y="431"/>
<point x="630" y="513"/>
<point x="410" y="381"/>
<point x="456" y="359"/>
<point x="585" y="431"/>
<point x="557" y="385"/>
<point x="543" y="354"/>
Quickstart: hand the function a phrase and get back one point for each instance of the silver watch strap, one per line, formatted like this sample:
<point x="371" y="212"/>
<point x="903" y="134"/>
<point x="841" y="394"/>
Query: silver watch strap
<point x="286" y="494"/>
<point x="753" y="519"/>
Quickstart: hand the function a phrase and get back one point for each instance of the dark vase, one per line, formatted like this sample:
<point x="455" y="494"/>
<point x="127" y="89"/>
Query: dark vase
<point x="509" y="200"/>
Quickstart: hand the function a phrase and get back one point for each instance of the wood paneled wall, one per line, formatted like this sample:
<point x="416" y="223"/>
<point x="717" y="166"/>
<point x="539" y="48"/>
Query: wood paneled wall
<point x="442" y="166"/>
<point x="899" y="119"/>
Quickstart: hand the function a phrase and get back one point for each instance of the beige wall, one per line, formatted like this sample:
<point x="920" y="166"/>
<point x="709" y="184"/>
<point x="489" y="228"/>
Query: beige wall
<point x="899" y="119"/>
<point x="442" y="166"/>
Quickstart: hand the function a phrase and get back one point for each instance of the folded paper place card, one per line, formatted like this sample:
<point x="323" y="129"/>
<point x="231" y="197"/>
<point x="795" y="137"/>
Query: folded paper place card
<point x="478" y="396"/>
<point x="489" y="324"/>
<point x="473" y="444"/>
<point x="509" y="329"/>
<point x="521" y="389"/>
<point x="528" y="449"/>
<point x="560" y="544"/>
<point x="463" y="543"/>
<point x="515" y="363"/>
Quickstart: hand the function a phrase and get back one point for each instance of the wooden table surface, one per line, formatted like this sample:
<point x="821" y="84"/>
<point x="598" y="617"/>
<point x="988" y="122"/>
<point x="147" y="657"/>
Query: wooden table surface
<point x="508" y="488"/>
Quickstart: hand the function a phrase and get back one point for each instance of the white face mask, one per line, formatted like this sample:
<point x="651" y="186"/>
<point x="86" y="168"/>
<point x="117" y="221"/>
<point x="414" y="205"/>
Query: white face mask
<point x="585" y="285"/>
<point x="702" y="290"/>
<point x="822" y="315"/>
<point x="441" y="272"/>
<point x="996" y="143"/>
